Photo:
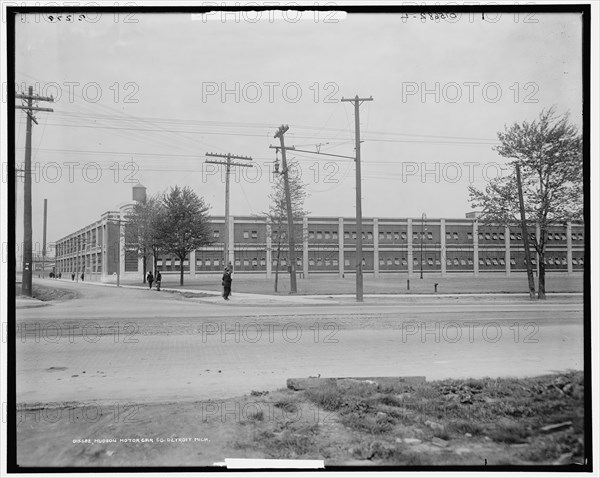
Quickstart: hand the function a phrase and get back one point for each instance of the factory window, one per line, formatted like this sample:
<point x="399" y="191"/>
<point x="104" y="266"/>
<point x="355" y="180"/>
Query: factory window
<point x="415" y="260"/>
<point x="254" y="234"/>
<point x="347" y="262"/>
<point x="283" y="262"/>
<point x="430" y="236"/>
<point x="370" y="236"/>
<point x="430" y="261"/>
<point x="563" y="236"/>
<point x="470" y="261"/>
<point x="246" y="234"/>
<point x="494" y="261"/>
<point x="346" y="235"/>
<point x="381" y="262"/>
<point x="502" y="263"/>
<point x="238" y="263"/>
<point x="254" y="262"/>
<point x="396" y="261"/>
<point x="216" y="234"/>
<point x="389" y="262"/>
<point x="481" y="262"/>
<point x="564" y="261"/>
<point x="335" y="263"/>
<point x="533" y="261"/>
<point x="381" y="236"/>
<point x="455" y="235"/>
<point x="512" y="236"/>
<point x="334" y="235"/>
<point x="470" y="236"/>
<point x="353" y="234"/>
<point x="456" y="261"/>
<point x="487" y="236"/>
<point x="216" y="262"/>
<point x="319" y="261"/>
<point x="389" y="235"/>
<point x="403" y="235"/>
<point x="495" y="236"/>
<point x="463" y="262"/>
<point x="404" y="261"/>
<point x="519" y="236"/>
<point x="263" y="262"/>
<point x="448" y="235"/>
<point x="488" y="262"/>
<point x="246" y="262"/>
<point x="206" y="263"/>
<point x="581" y="260"/>
<point x="396" y="236"/>
<point x="550" y="237"/>
<point x="327" y="235"/>
<point x="311" y="234"/>
<point x="501" y="236"/>
<point x="480" y="236"/>
<point x="319" y="235"/>
<point x="327" y="262"/>
<point x="311" y="262"/>
<point x="299" y="261"/>
<point x="449" y="262"/>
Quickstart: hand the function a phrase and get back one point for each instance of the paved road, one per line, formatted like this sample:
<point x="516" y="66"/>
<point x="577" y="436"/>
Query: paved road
<point x="114" y="345"/>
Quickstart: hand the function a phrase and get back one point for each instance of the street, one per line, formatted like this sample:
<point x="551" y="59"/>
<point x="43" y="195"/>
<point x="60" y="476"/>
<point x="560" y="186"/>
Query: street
<point x="114" y="345"/>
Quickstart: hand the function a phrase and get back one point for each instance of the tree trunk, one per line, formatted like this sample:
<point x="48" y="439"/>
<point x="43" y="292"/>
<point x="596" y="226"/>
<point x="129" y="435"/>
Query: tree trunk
<point x="542" y="265"/>
<point x="145" y="256"/>
<point x="277" y="266"/>
<point x="181" y="259"/>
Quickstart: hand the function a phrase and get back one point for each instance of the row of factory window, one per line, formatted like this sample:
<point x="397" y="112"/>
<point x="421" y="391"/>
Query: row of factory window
<point x="331" y="262"/>
<point x="401" y="235"/>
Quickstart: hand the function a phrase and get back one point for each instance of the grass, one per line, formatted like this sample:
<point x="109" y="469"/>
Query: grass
<point x="45" y="293"/>
<point x="321" y="284"/>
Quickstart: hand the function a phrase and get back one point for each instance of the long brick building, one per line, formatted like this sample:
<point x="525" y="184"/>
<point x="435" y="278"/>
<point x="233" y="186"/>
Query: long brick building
<point x="328" y="245"/>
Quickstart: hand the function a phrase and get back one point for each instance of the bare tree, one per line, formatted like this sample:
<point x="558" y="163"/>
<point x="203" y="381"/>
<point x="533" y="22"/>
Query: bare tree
<point x="277" y="213"/>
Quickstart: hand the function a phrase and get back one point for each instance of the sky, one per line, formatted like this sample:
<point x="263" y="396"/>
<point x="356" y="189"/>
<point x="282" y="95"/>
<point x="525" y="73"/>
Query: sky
<point x="143" y="98"/>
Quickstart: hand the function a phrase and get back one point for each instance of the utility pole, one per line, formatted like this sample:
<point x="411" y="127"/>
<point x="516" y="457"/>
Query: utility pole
<point x="525" y="234"/>
<point x="228" y="257"/>
<point x="44" y="240"/>
<point x="359" y="267"/>
<point x="290" y="216"/>
<point x="26" y="286"/>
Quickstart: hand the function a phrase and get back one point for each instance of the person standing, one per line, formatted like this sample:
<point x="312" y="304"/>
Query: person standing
<point x="226" y="284"/>
<point x="158" y="279"/>
<point x="82" y="276"/>
<point x="72" y="275"/>
<point x="150" y="279"/>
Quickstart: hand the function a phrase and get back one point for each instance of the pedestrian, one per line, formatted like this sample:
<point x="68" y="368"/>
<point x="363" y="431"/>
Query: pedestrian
<point x="60" y="275"/>
<point x="72" y="275"/>
<point x="230" y="267"/>
<point x="158" y="279"/>
<point x="150" y="278"/>
<point x="226" y="284"/>
<point x="82" y="276"/>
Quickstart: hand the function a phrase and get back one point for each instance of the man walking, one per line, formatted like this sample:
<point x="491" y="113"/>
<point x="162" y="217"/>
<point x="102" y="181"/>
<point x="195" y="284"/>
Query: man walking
<point x="158" y="279"/>
<point x="226" y="284"/>
<point x="150" y="279"/>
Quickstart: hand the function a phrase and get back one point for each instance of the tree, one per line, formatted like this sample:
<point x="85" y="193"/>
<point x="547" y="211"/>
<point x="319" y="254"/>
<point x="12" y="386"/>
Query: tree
<point x="185" y="223"/>
<point x="143" y="231"/>
<point x="277" y="214"/>
<point x="548" y="152"/>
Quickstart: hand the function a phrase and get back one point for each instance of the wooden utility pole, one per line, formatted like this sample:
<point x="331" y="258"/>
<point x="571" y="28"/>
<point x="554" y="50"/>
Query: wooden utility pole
<point x="44" y="239"/>
<point x="359" y="253"/>
<point x="26" y="286"/>
<point x="228" y="257"/>
<point x="525" y="234"/>
<point x="290" y="216"/>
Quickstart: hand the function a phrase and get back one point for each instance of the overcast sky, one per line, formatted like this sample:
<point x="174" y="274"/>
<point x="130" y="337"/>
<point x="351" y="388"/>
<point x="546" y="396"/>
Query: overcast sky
<point x="158" y="91"/>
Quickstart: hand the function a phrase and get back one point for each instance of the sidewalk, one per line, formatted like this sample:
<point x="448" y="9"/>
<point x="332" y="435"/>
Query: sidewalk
<point x="23" y="302"/>
<point x="245" y="299"/>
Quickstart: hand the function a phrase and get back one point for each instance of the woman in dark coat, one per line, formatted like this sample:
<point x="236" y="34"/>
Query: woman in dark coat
<point x="226" y="284"/>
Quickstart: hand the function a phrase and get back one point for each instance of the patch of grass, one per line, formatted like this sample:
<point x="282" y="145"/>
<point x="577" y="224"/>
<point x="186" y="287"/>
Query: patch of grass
<point x="287" y="404"/>
<point x="45" y="294"/>
<point x="509" y="432"/>
<point x="465" y="426"/>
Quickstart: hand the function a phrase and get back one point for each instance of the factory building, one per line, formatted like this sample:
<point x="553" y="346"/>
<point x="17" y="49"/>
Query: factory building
<point x="328" y="246"/>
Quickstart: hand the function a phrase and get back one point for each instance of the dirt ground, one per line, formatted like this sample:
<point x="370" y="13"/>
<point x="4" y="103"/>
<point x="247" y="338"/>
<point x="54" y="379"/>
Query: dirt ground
<point x="450" y="422"/>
